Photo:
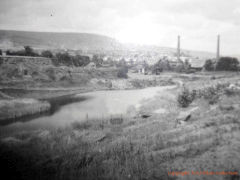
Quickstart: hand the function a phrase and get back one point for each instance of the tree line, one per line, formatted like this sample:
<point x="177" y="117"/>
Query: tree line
<point x="223" y="64"/>
<point x="57" y="59"/>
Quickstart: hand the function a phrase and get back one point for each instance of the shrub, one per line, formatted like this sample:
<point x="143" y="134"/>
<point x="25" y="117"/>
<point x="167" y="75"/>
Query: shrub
<point x="122" y="72"/>
<point x="185" y="98"/>
<point x="97" y="60"/>
<point x="64" y="58"/>
<point x="81" y="60"/>
<point x="209" y="65"/>
<point x="47" y="54"/>
<point x="28" y="51"/>
<point x="227" y="64"/>
<point x="69" y="60"/>
<point x="212" y="93"/>
<point x="180" y="68"/>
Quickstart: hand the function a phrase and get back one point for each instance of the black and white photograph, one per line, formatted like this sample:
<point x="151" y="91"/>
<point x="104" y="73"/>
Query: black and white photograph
<point x="120" y="89"/>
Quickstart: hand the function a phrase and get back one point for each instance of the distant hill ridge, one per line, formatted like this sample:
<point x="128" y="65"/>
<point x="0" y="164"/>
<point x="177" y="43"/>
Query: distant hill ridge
<point x="76" y="41"/>
<point x="55" y="40"/>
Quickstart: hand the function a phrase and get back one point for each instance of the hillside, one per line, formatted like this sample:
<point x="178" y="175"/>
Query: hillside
<point x="52" y="40"/>
<point x="83" y="41"/>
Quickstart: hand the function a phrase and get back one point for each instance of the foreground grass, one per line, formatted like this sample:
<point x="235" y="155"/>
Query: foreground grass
<point x="135" y="148"/>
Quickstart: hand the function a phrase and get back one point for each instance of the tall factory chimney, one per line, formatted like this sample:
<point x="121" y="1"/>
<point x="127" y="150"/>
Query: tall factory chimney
<point x="218" y="48"/>
<point x="178" y="48"/>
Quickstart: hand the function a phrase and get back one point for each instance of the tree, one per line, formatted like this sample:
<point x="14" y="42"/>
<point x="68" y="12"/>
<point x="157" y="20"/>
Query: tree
<point x="227" y="64"/>
<point x="209" y="65"/>
<point x="122" y="72"/>
<point x="0" y="52"/>
<point x="29" y="51"/>
<point x="122" y="63"/>
<point x="79" y="60"/>
<point x="47" y="54"/>
<point x="180" y="67"/>
<point x="64" y="58"/>
<point x="97" y="60"/>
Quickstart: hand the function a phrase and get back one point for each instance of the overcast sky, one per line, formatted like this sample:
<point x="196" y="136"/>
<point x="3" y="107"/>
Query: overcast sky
<point x="156" y="22"/>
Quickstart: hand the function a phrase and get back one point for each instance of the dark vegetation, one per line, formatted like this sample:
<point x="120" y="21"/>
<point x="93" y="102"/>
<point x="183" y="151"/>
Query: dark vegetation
<point x="185" y="98"/>
<point x="209" y="65"/>
<point x="211" y="94"/>
<point x="122" y="72"/>
<point x="224" y="64"/>
<point x="97" y="60"/>
<point x="165" y="65"/>
<point x="1" y="61"/>
<point x="123" y="69"/>
<point x="227" y="64"/>
<point x="28" y="51"/>
<point x="47" y="54"/>
<point x="69" y="60"/>
<point x="58" y="59"/>
<point x="66" y="154"/>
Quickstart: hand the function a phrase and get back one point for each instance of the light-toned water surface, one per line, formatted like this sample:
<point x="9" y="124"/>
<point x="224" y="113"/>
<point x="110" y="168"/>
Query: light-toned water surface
<point x="99" y="105"/>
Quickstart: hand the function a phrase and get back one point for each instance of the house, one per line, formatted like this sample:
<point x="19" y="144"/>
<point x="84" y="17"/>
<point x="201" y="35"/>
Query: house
<point x="141" y="69"/>
<point x="197" y="65"/>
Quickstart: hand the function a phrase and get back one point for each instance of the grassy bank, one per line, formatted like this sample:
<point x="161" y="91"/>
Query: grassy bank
<point x="140" y="147"/>
<point x="15" y="108"/>
<point x="27" y="109"/>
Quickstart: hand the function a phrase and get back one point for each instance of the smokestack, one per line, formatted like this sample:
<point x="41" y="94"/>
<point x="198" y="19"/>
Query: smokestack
<point x="218" y="48"/>
<point x="178" y="48"/>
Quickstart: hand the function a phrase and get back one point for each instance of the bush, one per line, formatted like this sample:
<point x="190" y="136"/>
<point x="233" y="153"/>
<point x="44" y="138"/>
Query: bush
<point x="69" y="60"/>
<point x="185" y="98"/>
<point x="47" y="54"/>
<point x="97" y="60"/>
<point x="180" y="68"/>
<point x="28" y="51"/>
<point x="64" y="58"/>
<point x="122" y="72"/>
<point x="227" y="64"/>
<point x="80" y="60"/>
<point x="209" y="65"/>
<point x="212" y="93"/>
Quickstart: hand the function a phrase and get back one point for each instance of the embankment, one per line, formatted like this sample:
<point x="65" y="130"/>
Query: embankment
<point x="15" y="108"/>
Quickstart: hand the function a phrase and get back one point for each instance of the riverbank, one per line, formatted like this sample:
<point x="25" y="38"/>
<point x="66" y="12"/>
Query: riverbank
<point x="148" y="145"/>
<point x="135" y="81"/>
<point x="47" y="100"/>
<point x="16" y="108"/>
